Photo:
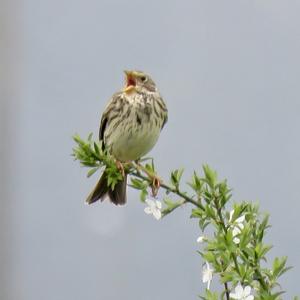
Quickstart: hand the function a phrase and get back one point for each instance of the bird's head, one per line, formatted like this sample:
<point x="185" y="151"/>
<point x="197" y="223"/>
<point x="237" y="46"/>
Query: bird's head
<point x="138" y="81"/>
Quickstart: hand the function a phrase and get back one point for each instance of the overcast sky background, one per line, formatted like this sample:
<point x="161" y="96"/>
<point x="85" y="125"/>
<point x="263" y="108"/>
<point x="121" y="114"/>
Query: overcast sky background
<point x="229" y="73"/>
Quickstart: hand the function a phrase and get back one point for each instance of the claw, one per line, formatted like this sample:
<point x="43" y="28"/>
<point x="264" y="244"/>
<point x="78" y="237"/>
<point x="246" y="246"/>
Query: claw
<point x="155" y="180"/>
<point x="155" y="185"/>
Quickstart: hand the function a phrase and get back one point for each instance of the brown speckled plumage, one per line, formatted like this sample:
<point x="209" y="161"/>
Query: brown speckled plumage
<point x="129" y="128"/>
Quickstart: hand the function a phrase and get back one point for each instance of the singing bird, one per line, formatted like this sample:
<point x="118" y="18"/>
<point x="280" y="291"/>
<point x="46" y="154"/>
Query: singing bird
<point x="130" y="126"/>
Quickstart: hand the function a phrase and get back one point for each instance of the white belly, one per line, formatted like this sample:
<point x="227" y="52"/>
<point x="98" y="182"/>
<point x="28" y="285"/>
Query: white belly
<point x="132" y="144"/>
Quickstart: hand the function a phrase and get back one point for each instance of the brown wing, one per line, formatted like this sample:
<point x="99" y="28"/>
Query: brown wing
<point x="165" y="121"/>
<point x="103" y="124"/>
<point x="164" y="109"/>
<point x="111" y="107"/>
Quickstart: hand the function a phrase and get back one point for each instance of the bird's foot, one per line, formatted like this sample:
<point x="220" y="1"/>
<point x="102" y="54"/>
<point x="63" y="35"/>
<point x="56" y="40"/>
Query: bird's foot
<point x="155" y="180"/>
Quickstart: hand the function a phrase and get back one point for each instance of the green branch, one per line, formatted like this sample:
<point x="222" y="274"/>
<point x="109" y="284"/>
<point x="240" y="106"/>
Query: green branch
<point x="236" y="248"/>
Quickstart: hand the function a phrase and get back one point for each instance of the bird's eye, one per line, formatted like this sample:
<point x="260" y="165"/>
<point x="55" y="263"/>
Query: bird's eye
<point x="144" y="78"/>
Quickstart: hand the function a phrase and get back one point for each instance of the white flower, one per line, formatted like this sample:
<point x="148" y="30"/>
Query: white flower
<point x="241" y="293"/>
<point x="201" y="239"/>
<point x="231" y="215"/>
<point x="207" y="274"/>
<point x="153" y="208"/>
<point x="237" y="229"/>
<point x="237" y="226"/>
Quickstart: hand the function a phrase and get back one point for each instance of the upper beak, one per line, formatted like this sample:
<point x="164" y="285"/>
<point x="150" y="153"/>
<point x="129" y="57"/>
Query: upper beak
<point x="128" y="73"/>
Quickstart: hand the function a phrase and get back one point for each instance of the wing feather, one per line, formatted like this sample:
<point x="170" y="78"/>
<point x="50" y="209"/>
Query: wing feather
<point x="112" y="107"/>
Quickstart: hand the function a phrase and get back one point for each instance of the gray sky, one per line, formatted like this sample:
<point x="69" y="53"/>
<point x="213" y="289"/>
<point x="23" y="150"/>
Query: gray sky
<point x="229" y="72"/>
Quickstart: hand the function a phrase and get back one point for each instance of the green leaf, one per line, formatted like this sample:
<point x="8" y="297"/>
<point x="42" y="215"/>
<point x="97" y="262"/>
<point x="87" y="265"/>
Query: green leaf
<point x="138" y="184"/>
<point x="92" y="171"/>
<point x="203" y="223"/>
<point x="90" y="137"/>
<point x="210" y="211"/>
<point x="175" y="177"/>
<point x="143" y="195"/>
<point x="224" y="191"/>
<point x="96" y="147"/>
<point x="279" y="267"/>
<point x="78" y="140"/>
<point x="276" y="295"/>
<point x="197" y="213"/>
<point x="150" y="168"/>
<point x="262" y="227"/>
<point x="210" y="176"/>
<point x="171" y="205"/>
<point x="196" y="184"/>
<point x="210" y="295"/>
<point x="227" y="277"/>
<point x="89" y="163"/>
<point x="208" y="256"/>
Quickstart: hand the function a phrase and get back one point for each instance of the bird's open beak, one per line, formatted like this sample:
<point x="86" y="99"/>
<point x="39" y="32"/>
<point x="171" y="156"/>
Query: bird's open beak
<point x="130" y="81"/>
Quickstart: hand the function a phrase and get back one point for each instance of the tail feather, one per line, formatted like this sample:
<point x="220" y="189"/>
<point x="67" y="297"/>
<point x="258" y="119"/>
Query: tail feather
<point x="101" y="190"/>
<point x="118" y="194"/>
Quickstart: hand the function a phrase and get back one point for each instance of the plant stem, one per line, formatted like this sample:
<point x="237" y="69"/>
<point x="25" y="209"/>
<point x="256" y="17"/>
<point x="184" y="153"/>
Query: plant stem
<point x="215" y="195"/>
<point x="222" y="222"/>
<point x="169" y="189"/>
<point x="226" y="290"/>
<point x="192" y="201"/>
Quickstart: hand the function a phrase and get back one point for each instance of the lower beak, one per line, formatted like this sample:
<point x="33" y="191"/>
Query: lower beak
<point x="129" y="89"/>
<point x="129" y="77"/>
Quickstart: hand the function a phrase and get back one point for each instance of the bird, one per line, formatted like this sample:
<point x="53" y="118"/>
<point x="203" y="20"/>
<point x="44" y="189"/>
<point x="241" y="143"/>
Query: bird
<point x="130" y="127"/>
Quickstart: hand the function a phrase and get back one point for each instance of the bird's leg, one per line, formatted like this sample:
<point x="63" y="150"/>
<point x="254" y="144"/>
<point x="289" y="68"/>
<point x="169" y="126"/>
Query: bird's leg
<point x="137" y="162"/>
<point x="155" y="180"/>
<point x="120" y="167"/>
